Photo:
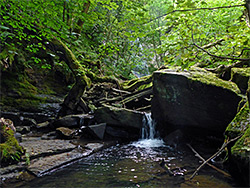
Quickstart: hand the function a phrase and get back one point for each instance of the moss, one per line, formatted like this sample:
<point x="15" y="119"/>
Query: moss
<point x="206" y="77"/>
<point x="29" y="104"/>
<point x="242" y="146"/>
<point x="242" y="71"/>
<point x="10" y="150"/>
<point x="138" y="83"/>
<point x="240" y="123"/>
<point x="211" y="79"/>
<point x="19" y="84"/>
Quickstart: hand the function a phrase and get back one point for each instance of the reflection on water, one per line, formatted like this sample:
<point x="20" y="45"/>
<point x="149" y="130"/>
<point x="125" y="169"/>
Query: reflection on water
<point x="138" y="164"/>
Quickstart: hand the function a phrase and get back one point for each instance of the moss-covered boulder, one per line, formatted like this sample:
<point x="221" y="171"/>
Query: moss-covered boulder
<point x="10" y="150"/>
<point x="239" y="153"/>
<point x="193" y="99"/>
<point x="240" y="123"/>
<point x="241" y="76"/>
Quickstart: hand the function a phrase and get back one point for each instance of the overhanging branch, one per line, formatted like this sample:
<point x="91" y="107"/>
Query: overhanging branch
<point x="219" y="57"/>
<point x="194" y="9"/>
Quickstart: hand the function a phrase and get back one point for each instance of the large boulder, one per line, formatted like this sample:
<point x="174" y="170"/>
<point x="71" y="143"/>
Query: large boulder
<point x="238" y="153"/>
<point x="119" y="117"/>
<point x="193" y="99"/>
<point x="241" y="76"/>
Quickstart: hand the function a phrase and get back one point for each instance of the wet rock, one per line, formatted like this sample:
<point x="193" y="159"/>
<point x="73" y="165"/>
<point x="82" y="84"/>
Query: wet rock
<point x="23" y="129"/>
<point x="37" y="148"/>
<point x="195" y="98"/>
<point x="44" y="127"/>
<point x="64" y="133"/>
<point x="49" y="136"/>
<point x="73" y="121"/>
<point x="238" y="153"/>
<point x="174" y="139"/>
<point x="94" y="146"/>
<point x="29" y="122"/>
<point x="18" y="137"/>
<point x="119" y="117"/>
<point x="14" y="116"/>
<point x="240" y="76"/>
<point x="117" y="133"/>
<point x="41" y="166"/>
<point x="97" y="130"/>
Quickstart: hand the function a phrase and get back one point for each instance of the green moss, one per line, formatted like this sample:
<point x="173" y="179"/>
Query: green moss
<point x="211" y="79"/>
<point x="138" y="83"/>
<point x="19" y="84"/>
<point x="10" y="150"/>
<point x="242" y="146"/>
<point x="240" y="123"/>
<point x="242" y="71"/>
<point x="206" y="77"/>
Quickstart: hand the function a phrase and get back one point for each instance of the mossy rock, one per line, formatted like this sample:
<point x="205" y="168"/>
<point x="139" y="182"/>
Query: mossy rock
<point x="241" y="77"/>
<point x="240" y="160"/>
<point x="240" y="123"/>
<point x="10" y="150"/>
<point x="193" y="98"/>
<point x="137" y="84"/>
<point x="248" y="91"/>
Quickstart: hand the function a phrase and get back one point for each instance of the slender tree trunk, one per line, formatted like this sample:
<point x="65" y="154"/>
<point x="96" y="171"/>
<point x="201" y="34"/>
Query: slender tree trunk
<point x="80" y="22"/>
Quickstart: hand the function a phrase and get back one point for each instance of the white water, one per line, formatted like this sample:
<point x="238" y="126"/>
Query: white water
<point x="148" y="134"/>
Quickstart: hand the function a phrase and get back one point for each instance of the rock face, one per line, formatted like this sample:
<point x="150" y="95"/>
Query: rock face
<point x="119" y="117"/>
<point x="238" y="154"/>
<point x="241" y="76"/>
<point x="195" y="98"/>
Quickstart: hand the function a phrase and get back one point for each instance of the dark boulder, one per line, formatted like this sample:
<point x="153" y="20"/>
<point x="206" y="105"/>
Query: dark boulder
<point x="97" y="130"/>
<point x="193" y="99"/>
<point x="73" y="121"/>
<point x="119" y="117"/>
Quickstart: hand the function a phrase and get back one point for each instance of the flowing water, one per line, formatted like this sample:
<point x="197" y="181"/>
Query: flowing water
<point x="137" y="164"/>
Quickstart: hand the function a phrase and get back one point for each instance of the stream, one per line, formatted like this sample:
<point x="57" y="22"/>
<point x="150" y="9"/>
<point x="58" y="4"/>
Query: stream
<point x="136" y="164"/>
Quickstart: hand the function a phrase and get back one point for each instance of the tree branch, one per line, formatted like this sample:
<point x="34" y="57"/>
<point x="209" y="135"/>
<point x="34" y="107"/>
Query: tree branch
<point x="188" y="10"/>
<point x="215" y="155"/>
<point x="219" y="57"/>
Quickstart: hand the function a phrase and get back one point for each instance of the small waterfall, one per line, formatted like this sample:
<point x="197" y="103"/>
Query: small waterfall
<point x="148" y="127"/>
<point x="149" y="138"/>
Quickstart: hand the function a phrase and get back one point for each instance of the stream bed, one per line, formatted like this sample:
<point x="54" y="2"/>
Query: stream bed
<point x="136" y="164"/>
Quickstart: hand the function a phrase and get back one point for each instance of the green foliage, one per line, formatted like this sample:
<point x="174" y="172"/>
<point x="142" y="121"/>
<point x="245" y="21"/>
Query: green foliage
<point x="206" y="26"/>
<point x="128" y="37"/>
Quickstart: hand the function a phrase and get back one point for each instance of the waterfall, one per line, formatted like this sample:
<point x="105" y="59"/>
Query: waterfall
<point x="149" y="138"/>
<point x="148" y="127"/>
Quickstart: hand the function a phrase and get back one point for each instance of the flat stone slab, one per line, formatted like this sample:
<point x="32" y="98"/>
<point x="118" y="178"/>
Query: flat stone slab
<point x="44" y="165"/>
<point x="37" y="148"/>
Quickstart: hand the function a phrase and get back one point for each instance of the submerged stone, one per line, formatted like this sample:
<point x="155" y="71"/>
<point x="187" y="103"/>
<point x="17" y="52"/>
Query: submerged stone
<point x="193" y="99"/>
<point x="241" y="76"/>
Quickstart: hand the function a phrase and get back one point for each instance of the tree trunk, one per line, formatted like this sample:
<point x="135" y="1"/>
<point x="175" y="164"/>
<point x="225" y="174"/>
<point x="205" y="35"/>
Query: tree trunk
<point x="80" y="22"/>
<point x="82" y="81"/>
